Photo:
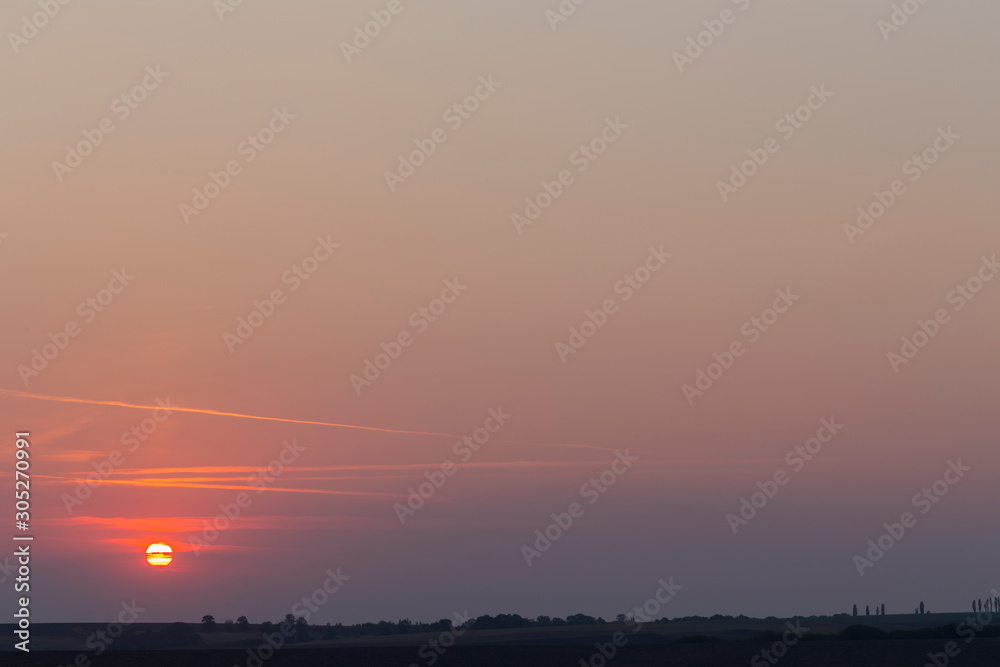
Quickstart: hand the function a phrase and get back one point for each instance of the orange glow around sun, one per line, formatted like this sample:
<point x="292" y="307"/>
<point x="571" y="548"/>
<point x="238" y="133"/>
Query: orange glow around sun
<point x="159" y="554"/>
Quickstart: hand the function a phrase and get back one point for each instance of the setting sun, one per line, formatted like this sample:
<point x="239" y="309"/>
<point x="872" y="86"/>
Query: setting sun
<point x="159" y="554"/>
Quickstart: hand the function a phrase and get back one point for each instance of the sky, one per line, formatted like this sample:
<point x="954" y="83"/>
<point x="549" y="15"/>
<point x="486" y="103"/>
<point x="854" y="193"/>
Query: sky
<point x="579" y="262"/>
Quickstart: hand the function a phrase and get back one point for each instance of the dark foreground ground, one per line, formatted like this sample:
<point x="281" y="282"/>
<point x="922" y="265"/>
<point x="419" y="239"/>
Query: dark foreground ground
<point x="881" y="653"/>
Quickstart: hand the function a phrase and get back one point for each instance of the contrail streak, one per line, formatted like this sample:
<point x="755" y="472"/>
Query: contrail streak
<point x="239" y="415"/>
<point x="170" y="483"/>
<point x="217" y="413"/>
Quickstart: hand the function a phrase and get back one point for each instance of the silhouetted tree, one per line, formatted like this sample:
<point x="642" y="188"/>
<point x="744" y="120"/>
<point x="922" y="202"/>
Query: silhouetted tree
<point x="267" y="627"/>
<point x="301" y="630"/>
<point x="287" y="626"/>
<point x="922" y="607"/>
<point x="580" y="619"/>
<point x="883" y="609"/>
<point x="855" y="610"/>
<point x="867" y="611"/>
<point x="242" y="623"/>
<point x="208" y="623"/>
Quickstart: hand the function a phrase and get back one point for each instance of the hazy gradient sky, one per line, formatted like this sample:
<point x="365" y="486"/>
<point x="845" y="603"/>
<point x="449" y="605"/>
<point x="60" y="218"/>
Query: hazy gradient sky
<point x="656" y="185"/>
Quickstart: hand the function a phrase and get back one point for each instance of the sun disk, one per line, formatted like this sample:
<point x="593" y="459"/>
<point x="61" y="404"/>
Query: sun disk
<point x="159" y="554"/>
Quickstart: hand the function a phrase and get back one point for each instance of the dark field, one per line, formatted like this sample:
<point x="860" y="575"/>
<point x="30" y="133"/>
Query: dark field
<point x="894" y="653"/>
<point x="720" y="643"/>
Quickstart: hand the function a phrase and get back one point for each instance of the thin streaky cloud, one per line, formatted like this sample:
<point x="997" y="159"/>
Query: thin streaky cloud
<point x="184" y="524"/>
<point x="169" y="483"/>
<point x="236" y="470"/>
<point x="239" y="415"/>
<point x="217" y="413"/>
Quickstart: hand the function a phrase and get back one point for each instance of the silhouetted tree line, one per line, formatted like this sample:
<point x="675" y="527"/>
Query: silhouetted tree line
<point x="180" y="634"/>
<point x="485" y="622"/>
<point x="301" y="633"/>
<point x="305" y="632"/>
<point x="878" y="611"/>
<point x="992" y="604"/>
